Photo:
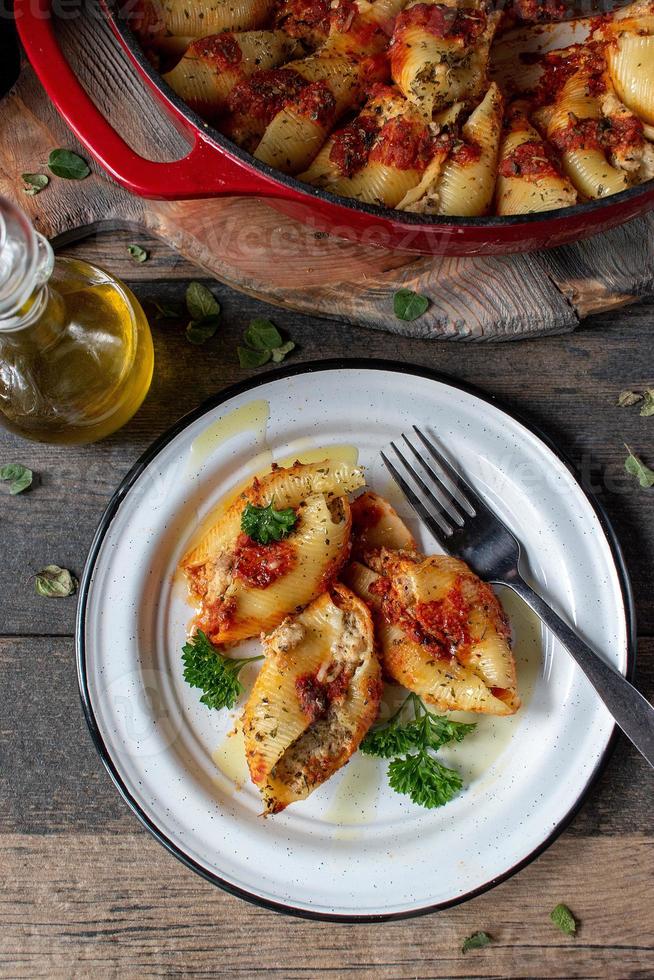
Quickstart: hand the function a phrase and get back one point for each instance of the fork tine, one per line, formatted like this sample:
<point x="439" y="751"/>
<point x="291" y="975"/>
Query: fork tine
<point x="474" y="503"/>
<point x="441" y="501"/>
<point x="442" y="530"/>
<point x="439" y="491"/>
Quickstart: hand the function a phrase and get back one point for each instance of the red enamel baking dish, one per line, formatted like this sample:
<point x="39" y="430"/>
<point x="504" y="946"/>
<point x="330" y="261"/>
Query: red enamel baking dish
<point x="215" y="166"/>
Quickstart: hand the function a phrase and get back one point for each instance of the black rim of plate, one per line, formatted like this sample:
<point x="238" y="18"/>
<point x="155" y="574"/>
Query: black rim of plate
<point x="309" y="367"/>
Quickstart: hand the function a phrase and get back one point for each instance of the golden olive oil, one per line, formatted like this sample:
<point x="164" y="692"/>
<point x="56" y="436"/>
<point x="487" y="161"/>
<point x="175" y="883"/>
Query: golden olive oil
<point x="82" y="367"/>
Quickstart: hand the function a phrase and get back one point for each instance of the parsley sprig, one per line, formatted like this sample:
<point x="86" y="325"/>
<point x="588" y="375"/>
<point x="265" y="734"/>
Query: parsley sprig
<point x="265" y="524"/>
<point x="413" y="770"/>
<point x="205" y="667"/>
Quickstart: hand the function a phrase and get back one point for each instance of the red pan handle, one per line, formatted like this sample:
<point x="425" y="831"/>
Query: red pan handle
<point x="206" y="170"/>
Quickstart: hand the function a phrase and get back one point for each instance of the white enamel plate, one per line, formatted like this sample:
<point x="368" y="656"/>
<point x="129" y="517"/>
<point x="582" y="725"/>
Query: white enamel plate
<point x="354" y="849"/>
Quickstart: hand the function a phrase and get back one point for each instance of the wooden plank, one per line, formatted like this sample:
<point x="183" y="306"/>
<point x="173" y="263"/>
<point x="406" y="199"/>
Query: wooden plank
<point x="120" y="906"/>
<point x="52" y="780"/>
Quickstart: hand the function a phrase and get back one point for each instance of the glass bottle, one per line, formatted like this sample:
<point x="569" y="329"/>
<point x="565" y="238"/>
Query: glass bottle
<point x="76" y="354"/>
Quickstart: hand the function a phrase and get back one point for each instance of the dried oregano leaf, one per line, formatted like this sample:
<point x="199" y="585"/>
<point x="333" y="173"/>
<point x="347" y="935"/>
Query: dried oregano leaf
<point x="54" y="582"/>
<point x="18" y="476"/>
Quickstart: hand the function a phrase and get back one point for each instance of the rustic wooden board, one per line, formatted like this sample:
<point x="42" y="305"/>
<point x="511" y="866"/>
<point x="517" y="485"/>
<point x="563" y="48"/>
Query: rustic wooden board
<point x="245" y="243"/>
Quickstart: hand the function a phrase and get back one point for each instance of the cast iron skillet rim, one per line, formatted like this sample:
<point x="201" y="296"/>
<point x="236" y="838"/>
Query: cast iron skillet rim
<point x="121" y="23"/>
<point x="338" y="364"/>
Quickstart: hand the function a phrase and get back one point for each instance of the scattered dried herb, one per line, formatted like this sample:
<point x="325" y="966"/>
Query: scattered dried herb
<point x="138" y="253"/>
<point x="628" y="398"/>
<point x="34" y="183"/>
<point x="648" y="403"/>
<point x="264" y="343"/>
<point x="69" y="165"/>
<point x="635" y="467"/>
<point x="54" y="582"/>
<point x="476" y="941"/>
<point x="563" y="919"/>
<point x="18" y="476"/>
<point x="408" y="305"/>
<point x="201" y="302"/>
<point x="204" y="310"/>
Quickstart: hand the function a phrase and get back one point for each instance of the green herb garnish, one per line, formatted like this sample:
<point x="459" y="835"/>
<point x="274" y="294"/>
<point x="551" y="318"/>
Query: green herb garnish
<point x="206" y="668"/>
<point x="563" y="919"/>
<point x="34" y="183"/>
<point x="201" y="302"/>
<point x="628" y="398"/>
<point x="198" y="332"/>
<point x="635" y="467"/>
<point x="408" y="305"/>
<point x="418" y="774"/>
<point x="262" y="335"/>
<point x="54" y="582"/>
<point x="279" y="353"/>
<point x="165" y="311"/>
<point x="424" y="779"/>
<point x="265" y="524"/>
<point x="71" y="166"/>
<point x="252" y="358"/>
<point x="204" y="310"/>
<point x="647" y="408"/>
<point x="138" y="253"/>
<point x="18" y="476"/>
<point x="264" y="343"/>
<point x="476" y="941"/>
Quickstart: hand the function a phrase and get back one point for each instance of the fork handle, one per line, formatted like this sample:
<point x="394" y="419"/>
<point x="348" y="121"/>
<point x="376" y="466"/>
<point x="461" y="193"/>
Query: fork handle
<point x="631" y="711"/>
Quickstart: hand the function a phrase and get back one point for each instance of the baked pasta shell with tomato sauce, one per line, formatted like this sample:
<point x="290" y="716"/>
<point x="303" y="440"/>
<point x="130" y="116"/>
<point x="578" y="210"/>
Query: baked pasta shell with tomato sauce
<point x="438" y="678"/>
<point x="199" y="18"/>
<point x="241" y="587"/>
<point x="376" y="524"/>
<point x="529" y="178"/>
<point x="316" y="696"/>
<point x="212" y="66"/>
<point x="451" y="609"/>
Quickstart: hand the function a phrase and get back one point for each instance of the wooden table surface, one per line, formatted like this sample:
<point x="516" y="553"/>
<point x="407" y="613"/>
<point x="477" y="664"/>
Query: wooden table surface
<point x="87" y="892"/>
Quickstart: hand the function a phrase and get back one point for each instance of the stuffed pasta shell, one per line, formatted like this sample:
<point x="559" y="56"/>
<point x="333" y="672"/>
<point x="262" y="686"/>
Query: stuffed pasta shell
<point x="375" y="524"/>
<point x="243" y="586"/>
<point x="378" y="157"/>
<point x="461" y="177"/>
<point x="529" y="178"/>
<point x="315" y="698"/>
<point x="441" y="630"/>
<point x="212" y="66"/>
<point x="439" y="52"/>
<point x="630" y="56"/>
<point x="199" y="18"/>
<point x="336" y="75"/>
<point x="592" y="144"/>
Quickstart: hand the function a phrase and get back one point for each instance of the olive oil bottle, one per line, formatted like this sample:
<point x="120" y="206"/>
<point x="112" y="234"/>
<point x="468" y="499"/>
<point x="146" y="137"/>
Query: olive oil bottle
<point x="76" y="354"/>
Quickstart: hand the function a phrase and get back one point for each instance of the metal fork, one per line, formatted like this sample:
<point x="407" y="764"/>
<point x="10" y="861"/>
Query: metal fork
<point x="467" y="528"/>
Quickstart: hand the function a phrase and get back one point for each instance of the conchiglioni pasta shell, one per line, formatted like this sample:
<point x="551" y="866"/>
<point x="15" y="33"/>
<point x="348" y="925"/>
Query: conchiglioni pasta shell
<point x="592" y="174"/>
<point x="631" y="66"/>
<point x="290" y="141"/>
<point x="377" y="183"/>
<point x="375" y="524"/>
<point x="203" y="17"/>
<point x="206" y="87"/>
<point x="442" y="682"/>
<point x="519" y="195"/>
<point x="467" y="188"/>
<point x="320" y="542"/>
<point x="289" y="753"/>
